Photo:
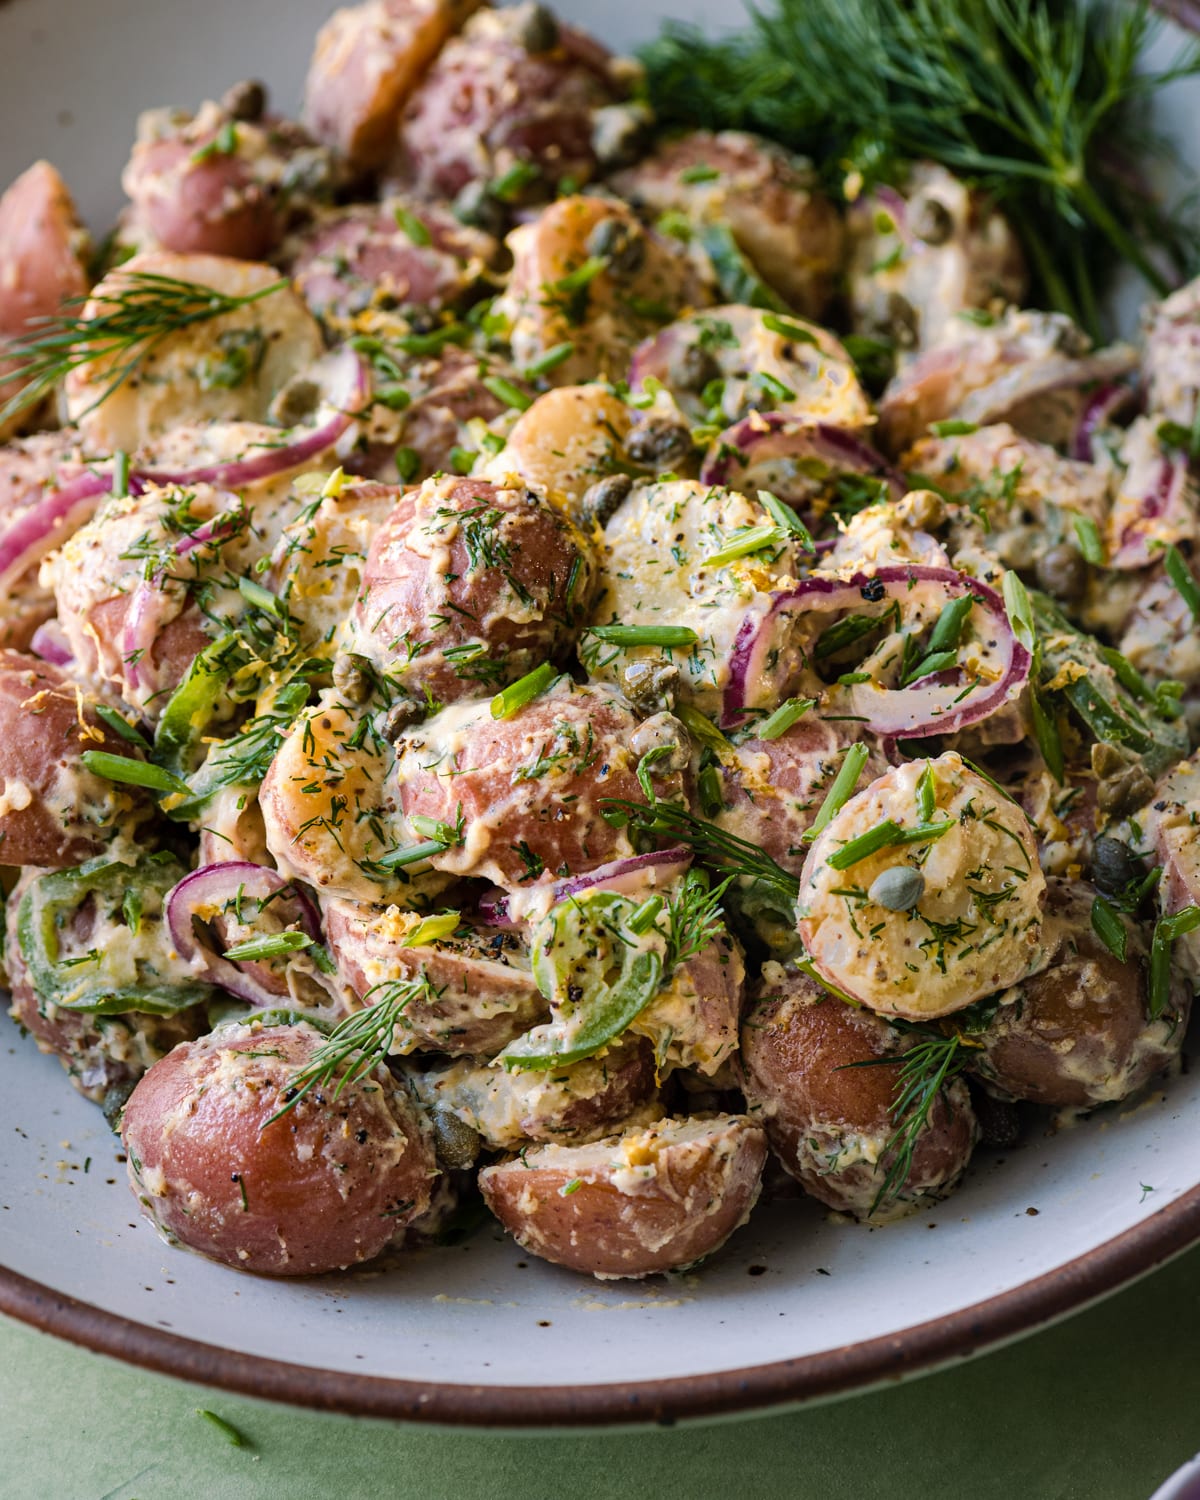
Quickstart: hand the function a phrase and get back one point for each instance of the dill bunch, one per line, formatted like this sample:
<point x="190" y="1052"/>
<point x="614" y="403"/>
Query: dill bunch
<point x="1041" y="102"/>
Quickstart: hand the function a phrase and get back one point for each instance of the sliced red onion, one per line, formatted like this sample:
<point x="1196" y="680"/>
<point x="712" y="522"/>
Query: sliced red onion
<point x="493" y="908"/>
<point x="50" y="643"/>
<point x="1104" y="403"/>
<point x="45" y="525"/>
<point x="1167" y="493"/>
<point x="627" y="877"/>
<point x="218" y="885"/>
<point x="1038" y="377"/>
<point x="347" y="390"/>
<point x="774" y="438"/>
<point x="932" y="706"/>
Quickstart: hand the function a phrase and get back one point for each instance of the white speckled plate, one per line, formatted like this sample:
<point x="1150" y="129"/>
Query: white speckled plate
<point x="795" y="1307"/>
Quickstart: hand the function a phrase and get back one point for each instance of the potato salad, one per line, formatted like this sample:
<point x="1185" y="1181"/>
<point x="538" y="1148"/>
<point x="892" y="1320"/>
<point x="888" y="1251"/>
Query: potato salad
<point x="549" y="669"/>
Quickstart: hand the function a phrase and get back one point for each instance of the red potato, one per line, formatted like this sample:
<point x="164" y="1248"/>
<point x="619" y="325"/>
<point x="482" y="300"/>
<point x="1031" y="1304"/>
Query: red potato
<point x="789" y="229"/>
<point x="482" y="996"/>
<point x="326" y="1186"/>
<point x="643" y="281"/>
<point x="29" y="469"/>
<point x="920" y="257"/>
<point x="1077" y="1034"/>
<point x="100" y="1053"/>
<point x="446" y="394"/>
<point x="368" y="60"/>
<point x="43" y="249"/>
<point x="693" y="1021"/>
<point x="772" y="790"/>
<point x="570" y="1105"/>
<point x="514" y="88"/>
<point x="527" y="789"/>
<point x="53" y="811"/>
<point x="656" y="1198"/>
<point x="830" y="1121"/>
<point x="373" y="257"/>
<point x="469" y="585"/>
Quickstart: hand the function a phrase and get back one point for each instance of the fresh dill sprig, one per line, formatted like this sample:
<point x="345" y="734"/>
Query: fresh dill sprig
<point x="925" y="1070"/>
<point x="1042" y="102"/>
<point x="695" y="918"/>
<point x="713" y="846"/>
<point x="131" y="319"/>
<point x="357" y="1044"/>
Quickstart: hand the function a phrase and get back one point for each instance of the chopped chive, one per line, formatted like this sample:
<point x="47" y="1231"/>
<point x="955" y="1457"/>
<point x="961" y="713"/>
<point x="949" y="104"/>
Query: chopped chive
<point x="1019" y="610"/>
<point x="133" y="772"/>
<point x="701" y="172"/>
<point x="393" y="395"/>
<point x="845" y="632"/>
<point x="926" y="794"/>
<point x="645" y="635"/>
<point x="938" y="661"/>
<point x="1109" y="928"/>
<point x="570" y="1187"/>
<point x="583" y="275"/>
<point x="551" y="360"/>
<point x="410" y="854"/>
<point x="700" y="728"/>
<point x="408" y="463"/>
<point x="886" y="835"/>
<point x="435" y="342"/>
<point x="120" y="725"/>
<point x="785" y="517"/>
<point x="708" y="784"/>
<point x="509" y="184"/>
<point x="413" y="227"/>
<point x="840" y="792"/>
<point x="1181" y="576"/>
<point x="321" y="959"/>
<point x="120" y="475"/>
<point x="644" y="918"/>
<point x="274" y="946"/>
<point x="433" y="929"/>
<point x="504" y="390"/>
<point x="1166" y="930"/>
<point x="742" y="543"/>
<point x="258" y="597"/>
<point x="1087" y="533"/>
<point x="462" y="460"/>
<point x="953" y="427"/>
<point x="1045" y="731"/>
<point x="789" y="328"/>
<point x="787" y="714"/>
<point x="511" y="699"/>
<point x="947" y="631"/>
<point x="230" y="1431"/>
<point x="435" y="830"/>
<point x="775" y="386"/>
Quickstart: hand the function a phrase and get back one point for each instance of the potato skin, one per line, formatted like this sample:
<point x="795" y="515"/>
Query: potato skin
<point x="520" y="826"/>
<point x="653" y="1199"/>
<point x="462" y="563"/>
<point x="485" y="997"/>
<point x="829" y="1121"/>
<point x="56" y="813"/>
<point x="1077" y="1033"/>
<point x="326" y="1186"/>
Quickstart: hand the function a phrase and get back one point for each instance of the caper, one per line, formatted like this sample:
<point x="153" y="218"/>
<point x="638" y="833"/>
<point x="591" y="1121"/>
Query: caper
<point x="456" y="1144"/>
<point x="900" y="322"/>
<point x="537" y="29"/>
<point x="246" y="100"/>
<point x="1123" y="783"/>
<point x="403" y="712"/>
<point x="659" y="443"/>
<point x="662" y="731"/>
<point x="622" y="244"/>
<point x="691" y="368"/>
<point x="296" y="403"/>
<point x="1061" y="571"/>
<point x="898" y="888"/>
<point x="620" y="133"/>
<point x="931" y="221"/>
<point x="1113" y="865"/>
<point x="602" y="500"/>
<point x="650" y="684"/>
<point x="354" y="677"/>
<point x="116" y="1096"/>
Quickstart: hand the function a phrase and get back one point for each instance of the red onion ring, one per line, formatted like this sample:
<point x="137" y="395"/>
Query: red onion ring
<point x="1038" y="377"/>
<point x="1169" y="493"/>
<point x="625" y="876"/>
<point x="45" y="525"/>
<point x="1104" y="402"/>
<point x="50" y="643"/>
<point x="771" y="436"/>
<point x="347" y="391"/>
<point x="216" y="885"/>
<point x="923" y="708"/>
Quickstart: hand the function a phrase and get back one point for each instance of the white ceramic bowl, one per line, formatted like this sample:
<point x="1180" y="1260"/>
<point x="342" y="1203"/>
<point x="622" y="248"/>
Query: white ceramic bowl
<point x="796" y="1307"/>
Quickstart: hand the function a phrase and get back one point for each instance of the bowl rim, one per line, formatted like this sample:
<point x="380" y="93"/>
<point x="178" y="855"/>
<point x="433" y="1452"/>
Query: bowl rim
<point x="827" y="1374"/>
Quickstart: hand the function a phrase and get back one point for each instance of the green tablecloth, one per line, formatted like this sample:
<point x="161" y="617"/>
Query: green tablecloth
<point x="1102" y="1407"/>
